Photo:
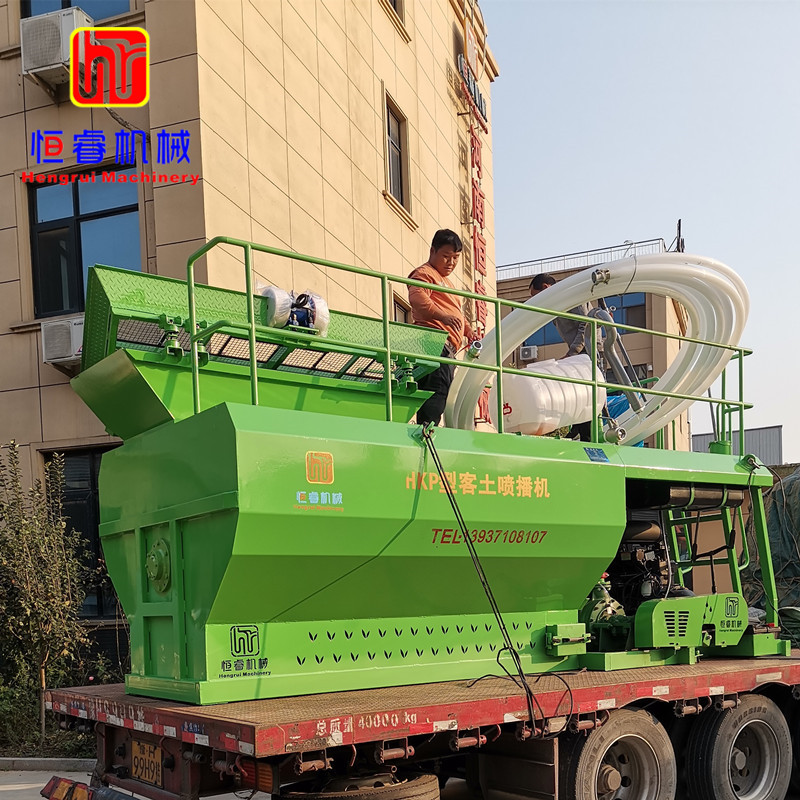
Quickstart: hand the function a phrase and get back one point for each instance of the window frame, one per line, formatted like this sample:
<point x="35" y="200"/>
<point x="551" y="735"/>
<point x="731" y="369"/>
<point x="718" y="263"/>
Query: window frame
<point x="624" y="307"/>
<point x="73" y="224"/>
<point x="400" y="304"/>
<point x="544" y="333"/>
<point x="401" y="146"/>
<point x="396" y="12"/>
<point x="91" y="538"/>
<point x="550" y="332"/>
<point x="25" y="9"/>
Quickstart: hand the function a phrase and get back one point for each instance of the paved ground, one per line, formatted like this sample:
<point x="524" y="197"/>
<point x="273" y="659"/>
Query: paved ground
<point x="27" y="785"/>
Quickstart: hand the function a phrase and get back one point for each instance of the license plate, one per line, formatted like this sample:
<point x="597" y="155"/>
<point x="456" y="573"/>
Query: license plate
<point x="146" y="763"/>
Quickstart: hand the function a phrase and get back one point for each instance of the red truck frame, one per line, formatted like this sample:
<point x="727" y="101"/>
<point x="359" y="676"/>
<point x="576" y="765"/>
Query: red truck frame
<point x="475" y="729"/>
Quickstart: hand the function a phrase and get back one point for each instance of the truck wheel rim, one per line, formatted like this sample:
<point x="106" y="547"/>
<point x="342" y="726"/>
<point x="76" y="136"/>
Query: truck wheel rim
<point x="753" y="761"/>
<point x="629" y="770"/>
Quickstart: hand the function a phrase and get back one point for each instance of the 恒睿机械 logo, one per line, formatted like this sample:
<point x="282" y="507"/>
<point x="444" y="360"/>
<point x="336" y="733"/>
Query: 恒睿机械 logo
<point x="112" y="63"/>
<point x="319" y="467"/>
<point x="731" y="606"/>
<point x="244" y="640"/>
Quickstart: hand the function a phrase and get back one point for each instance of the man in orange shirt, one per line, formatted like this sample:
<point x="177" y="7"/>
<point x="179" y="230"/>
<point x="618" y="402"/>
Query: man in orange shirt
<point x="439" y="310"/>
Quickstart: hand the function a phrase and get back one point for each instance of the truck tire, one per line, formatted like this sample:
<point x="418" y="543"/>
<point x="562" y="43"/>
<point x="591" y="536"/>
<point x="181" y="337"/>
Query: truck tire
<point x="629" y="758"/>
<point x="415" y="787"/>
<point x="742" y="753"/>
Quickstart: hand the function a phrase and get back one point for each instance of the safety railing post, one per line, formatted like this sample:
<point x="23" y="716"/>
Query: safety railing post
<point x="192" y="330"/>
<point x="498" y="378"/>
<point x="723" y="416"/>
<point x="759" y="518"/>
<point x="595" y="434"/>
<point x="251" y="322"/>
<point x="387" y="358"/>
<point x="740" y="353"/>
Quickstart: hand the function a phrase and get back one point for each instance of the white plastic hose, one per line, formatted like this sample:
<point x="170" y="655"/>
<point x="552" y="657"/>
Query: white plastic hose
<point x="716" y="302"/>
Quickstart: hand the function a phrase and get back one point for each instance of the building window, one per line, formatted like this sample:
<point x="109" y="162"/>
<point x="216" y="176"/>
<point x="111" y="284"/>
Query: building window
<point x="81" y="506"/>
<point x="402" y="311"/>
<point x="396" y="154"/>
<point x="627" y="309"/>
<point x="74" y="226"/>
<point x="395" y="10"/>
<point x="96" y="9"/>
<point x="544" y="336"/>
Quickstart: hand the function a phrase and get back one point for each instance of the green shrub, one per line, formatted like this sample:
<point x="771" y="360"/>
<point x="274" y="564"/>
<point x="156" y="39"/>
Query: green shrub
<point x="42" y="580"/>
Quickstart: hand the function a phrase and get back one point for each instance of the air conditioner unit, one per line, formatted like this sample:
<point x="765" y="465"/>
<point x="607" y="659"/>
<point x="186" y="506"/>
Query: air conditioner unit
<point x="528" y="353"/>
<point x="45" y="43"/>
<point x="62" y="341"/>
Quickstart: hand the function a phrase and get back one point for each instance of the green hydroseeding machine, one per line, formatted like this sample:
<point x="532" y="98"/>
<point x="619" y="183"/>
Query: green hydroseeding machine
<point x="275" y="525"/>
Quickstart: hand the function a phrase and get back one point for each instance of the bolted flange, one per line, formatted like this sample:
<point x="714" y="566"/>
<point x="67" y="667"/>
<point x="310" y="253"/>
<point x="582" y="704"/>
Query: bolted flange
<point x="157" y="566"/>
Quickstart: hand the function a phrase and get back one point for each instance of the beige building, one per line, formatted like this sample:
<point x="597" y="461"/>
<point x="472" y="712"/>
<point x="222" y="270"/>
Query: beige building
<point x="341" y="129"/>
<point x="649" y="355"/>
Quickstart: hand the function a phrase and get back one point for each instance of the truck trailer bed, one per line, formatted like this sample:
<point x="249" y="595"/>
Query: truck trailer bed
<point x="272" y="727"/>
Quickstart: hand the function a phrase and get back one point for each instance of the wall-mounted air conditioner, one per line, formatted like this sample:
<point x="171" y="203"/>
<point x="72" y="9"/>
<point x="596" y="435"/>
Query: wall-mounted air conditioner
<point x="62" y="341"/>
<point x="45" y="43"/>
<point x="528" y="352"/>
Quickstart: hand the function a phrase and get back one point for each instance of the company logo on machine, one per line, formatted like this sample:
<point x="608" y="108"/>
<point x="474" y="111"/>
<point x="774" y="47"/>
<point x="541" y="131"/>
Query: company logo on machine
<point x="244" y="640"/>
<point x="113" y="60"/>
<point x="731" y="606"/>
<point x="319" y="501"/>
<point x="246" y="660"/>
<point x="319" y="467"/>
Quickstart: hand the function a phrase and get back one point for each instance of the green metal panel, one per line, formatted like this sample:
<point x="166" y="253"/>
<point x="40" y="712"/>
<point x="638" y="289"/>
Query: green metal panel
<point x="264" y="551"/>
<point x="120" y="396"/>
<point x="691" y="621"/>
<point x="132" y="392"/>
<point x="676" y="466"/>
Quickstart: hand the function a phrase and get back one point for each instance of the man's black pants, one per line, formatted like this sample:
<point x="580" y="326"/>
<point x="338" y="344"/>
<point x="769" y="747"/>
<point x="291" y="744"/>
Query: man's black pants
<point x="437" y="382"/>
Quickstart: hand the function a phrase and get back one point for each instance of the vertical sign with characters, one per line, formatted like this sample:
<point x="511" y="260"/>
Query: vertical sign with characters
<point x="469" y="67"/>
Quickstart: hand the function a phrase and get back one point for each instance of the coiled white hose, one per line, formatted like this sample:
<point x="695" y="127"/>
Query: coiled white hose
<point x="716" y="302"/>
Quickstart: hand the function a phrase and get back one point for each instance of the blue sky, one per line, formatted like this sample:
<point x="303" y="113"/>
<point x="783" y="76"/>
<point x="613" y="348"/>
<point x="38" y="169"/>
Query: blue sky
<point x="611" y="119"/>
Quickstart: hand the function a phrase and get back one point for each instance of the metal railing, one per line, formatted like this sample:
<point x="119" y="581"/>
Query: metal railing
<point x="724" y="407"/>
<point x="580" y="260"/>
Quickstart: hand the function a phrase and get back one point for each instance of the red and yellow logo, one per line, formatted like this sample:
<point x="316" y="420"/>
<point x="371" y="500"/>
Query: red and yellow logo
<point x="319" y="467"/>
<point x="109" y="61"/>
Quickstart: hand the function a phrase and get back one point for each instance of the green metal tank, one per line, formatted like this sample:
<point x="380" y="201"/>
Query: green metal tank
<point x="303" y="544"/>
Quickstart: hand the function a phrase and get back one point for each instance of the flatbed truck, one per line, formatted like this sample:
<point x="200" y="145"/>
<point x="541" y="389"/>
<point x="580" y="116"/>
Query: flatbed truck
<point x="474" y="729"/>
